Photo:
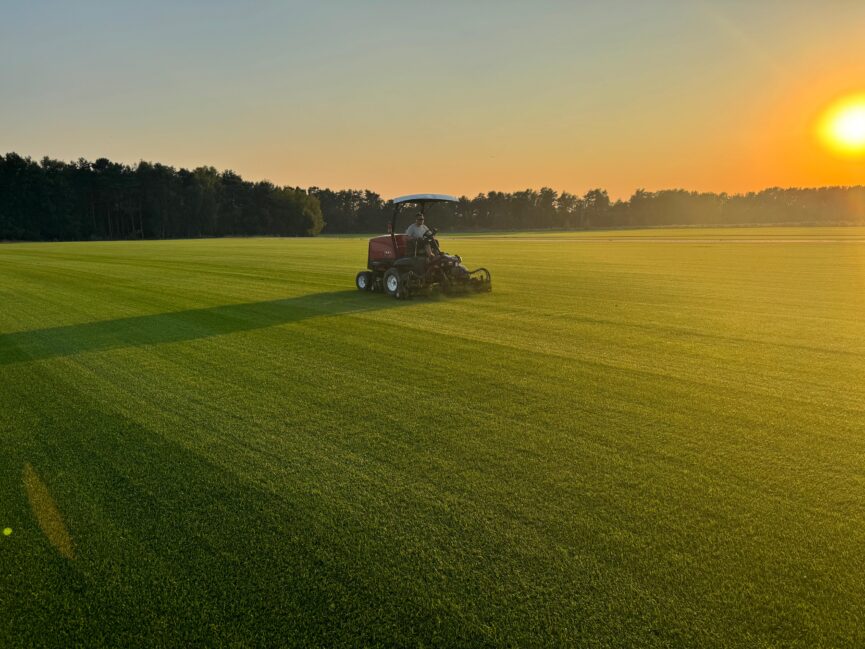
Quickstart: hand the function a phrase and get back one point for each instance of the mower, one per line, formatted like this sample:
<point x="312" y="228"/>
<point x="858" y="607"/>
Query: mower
<point x="403" y="267"/>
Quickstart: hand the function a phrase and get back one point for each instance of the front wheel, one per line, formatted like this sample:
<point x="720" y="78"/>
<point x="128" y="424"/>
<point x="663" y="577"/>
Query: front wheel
<point x="393" y="283"/>
<point x="363" y="280"/>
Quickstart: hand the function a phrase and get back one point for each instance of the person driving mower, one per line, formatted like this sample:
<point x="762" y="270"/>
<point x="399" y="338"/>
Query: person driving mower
<point x="417" y="233"/>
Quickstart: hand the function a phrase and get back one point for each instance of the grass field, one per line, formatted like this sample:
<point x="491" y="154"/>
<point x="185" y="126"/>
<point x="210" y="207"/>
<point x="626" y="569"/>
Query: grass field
<point x="651" y="439"/>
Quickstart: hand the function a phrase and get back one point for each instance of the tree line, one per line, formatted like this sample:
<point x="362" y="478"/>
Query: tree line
<point x="51" y="200"/>
<point x="365" y="211"/>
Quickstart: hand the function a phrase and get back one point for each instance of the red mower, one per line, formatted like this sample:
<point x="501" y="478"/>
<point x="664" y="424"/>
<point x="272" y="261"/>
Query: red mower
<point x="402" y="266"/>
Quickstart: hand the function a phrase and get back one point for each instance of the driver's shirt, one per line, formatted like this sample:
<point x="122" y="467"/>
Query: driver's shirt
<point x="416" y="231"/>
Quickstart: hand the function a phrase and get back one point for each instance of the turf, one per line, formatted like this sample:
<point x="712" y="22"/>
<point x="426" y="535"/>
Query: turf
<point x="646" y="439"/>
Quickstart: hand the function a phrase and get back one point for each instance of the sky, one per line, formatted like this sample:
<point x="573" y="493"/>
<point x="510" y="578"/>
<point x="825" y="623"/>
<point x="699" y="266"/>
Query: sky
<point x="448" y="97"/>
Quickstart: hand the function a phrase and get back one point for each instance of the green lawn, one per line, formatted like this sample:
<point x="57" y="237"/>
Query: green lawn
<point x="650" y="439"/>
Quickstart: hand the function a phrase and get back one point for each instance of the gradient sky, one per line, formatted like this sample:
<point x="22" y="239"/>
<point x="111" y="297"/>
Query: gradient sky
<point x="455" y="97"/>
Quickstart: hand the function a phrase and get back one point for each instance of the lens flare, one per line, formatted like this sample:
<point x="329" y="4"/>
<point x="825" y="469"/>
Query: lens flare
<point x="843" y="126"/>
<point x="47" y="515"/>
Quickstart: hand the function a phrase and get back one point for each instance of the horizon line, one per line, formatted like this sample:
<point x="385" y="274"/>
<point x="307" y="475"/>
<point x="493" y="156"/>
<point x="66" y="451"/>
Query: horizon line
<point x="621" y="198"/>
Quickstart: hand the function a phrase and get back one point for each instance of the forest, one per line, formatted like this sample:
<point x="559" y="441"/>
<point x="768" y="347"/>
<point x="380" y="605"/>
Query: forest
<point x="51" y="200"/>
<point x="56" y="201"/>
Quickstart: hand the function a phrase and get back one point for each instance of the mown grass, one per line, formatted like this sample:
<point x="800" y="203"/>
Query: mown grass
<point x="628" y="443"/>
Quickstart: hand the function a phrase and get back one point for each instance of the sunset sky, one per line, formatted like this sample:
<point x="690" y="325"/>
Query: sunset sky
<point x="457" y="97"/>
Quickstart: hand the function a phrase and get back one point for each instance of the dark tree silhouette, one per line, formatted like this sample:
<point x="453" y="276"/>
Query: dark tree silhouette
<point x="52" y="200"/>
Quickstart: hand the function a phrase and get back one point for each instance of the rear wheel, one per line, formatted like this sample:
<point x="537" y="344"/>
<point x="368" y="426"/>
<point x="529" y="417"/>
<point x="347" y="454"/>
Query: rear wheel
<point x="363" y="280"/>
<point x="393" y="284"/>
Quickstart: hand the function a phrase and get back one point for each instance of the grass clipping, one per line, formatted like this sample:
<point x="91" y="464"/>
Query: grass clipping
<point x="47" y="515"/>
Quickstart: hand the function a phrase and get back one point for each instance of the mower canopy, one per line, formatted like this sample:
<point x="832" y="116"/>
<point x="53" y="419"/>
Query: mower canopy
<point x="425" y="198"/>
<point x="420" y="200"/>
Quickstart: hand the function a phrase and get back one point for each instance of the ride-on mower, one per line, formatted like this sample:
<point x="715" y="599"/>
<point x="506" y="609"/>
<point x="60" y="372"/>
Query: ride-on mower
<point x="402" y="267"/>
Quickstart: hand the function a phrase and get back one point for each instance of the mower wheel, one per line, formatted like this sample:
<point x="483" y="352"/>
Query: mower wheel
<point x="364" y="280"/>
<point x="393" y="284"/>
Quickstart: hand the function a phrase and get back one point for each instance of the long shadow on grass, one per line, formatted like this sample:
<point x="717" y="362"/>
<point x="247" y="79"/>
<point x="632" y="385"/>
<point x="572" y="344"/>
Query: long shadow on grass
<point x="179" y="326"/>
<point x="175" y="549"/>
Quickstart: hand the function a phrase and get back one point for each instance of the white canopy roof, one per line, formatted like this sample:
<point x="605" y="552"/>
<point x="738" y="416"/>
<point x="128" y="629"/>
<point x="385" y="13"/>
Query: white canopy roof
<point x="426" y="198"/>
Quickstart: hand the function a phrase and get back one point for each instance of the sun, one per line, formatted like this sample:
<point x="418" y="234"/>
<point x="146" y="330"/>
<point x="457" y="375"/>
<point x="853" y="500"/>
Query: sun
<point x="842" y="127"/>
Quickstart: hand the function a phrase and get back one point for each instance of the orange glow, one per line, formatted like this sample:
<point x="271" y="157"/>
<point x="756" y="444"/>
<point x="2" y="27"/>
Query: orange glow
<point x="843" y="126"/>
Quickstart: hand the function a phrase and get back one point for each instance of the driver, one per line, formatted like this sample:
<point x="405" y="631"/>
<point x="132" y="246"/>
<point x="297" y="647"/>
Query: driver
<point x="416" y="232"/>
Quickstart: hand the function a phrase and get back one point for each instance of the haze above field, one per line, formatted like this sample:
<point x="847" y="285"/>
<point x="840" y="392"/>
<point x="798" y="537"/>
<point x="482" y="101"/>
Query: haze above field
<point x="457" y="97"/>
